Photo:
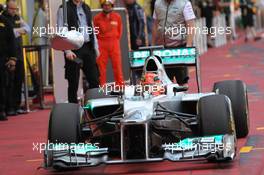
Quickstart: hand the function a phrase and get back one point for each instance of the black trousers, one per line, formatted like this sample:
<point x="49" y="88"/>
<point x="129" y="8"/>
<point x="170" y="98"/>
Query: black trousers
<point x="6" y="88"/>
<point x="89" y="67"/>
<point x="181" y="73"/>
<point x="248" y="20"/>
<point x="2" y="87"/>
<point x="18" y="82"/>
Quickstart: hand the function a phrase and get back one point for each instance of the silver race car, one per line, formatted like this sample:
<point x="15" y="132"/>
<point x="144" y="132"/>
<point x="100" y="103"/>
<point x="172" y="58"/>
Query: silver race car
<point x="151" y="120"/>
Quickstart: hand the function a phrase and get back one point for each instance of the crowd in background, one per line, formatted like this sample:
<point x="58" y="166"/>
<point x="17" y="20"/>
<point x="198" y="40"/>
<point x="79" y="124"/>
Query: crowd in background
<point x="246" y="8"/>
<point x="238" y="14"/>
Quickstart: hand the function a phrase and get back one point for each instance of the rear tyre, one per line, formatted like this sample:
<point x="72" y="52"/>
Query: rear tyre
<point x="64" y="124"/>
<point x="237" y="92"/>
<point x="215" y="116"/>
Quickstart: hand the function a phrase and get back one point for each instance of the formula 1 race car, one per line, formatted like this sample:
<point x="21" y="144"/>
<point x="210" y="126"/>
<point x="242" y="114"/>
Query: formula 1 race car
<point x="153" y="120"/>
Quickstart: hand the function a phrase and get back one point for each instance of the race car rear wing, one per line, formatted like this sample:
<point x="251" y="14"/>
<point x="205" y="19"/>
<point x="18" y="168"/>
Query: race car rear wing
<point x="171" y="57"/>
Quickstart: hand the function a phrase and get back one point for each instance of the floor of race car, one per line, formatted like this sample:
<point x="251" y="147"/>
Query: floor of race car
<point x="19" y="137"/>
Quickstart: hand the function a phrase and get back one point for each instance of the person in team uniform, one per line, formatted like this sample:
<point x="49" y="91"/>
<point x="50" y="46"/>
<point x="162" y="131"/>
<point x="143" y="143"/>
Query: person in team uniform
<point x="110" y="28"/>
<point x="165" y="13"/>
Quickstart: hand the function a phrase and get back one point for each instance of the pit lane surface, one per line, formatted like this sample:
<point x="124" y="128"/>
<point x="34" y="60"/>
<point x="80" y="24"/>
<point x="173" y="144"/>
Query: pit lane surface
<point x="19" y="137"/>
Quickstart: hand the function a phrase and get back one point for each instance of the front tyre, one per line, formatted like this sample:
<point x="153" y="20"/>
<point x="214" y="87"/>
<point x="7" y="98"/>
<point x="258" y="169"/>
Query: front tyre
<point x="237" y="92"/>
<point x="64" y="124"/>
<point x="215" y="116"/>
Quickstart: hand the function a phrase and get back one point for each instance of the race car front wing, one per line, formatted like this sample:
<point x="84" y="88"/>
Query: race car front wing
<point x="219" y="147"/>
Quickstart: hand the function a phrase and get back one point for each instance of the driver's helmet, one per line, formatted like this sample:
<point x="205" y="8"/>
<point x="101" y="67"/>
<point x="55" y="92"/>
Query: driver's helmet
<point x="150" y="79"/>
<point x="152" y="83"/>
<point x="112" y="2"/>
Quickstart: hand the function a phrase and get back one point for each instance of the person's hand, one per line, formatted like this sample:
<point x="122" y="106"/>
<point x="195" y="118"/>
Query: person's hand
<point x="139" y="42"/>
<point x="70" y="55"/>
<point x="21" y="31"/>
<point x="11" y="65"/>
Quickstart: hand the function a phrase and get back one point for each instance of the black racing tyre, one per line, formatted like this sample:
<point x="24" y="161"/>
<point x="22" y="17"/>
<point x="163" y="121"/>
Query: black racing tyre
<point x="237" y="92"/>
<point x="64" y="124"/>
<point x="215" y="116"/>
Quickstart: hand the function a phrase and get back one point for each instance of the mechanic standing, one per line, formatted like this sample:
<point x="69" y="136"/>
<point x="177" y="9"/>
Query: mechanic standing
<point x="110" y="27"/>
<point x="79" y="17"/>
<point x="247" y="10"/>
<point x="7" y="64"/>
<point x="20" y="28"/>
<point x="172" y="21"/>
<point x="136" y="23"/>
<point x="226" y="10"/>
<point x="207" y="11"/>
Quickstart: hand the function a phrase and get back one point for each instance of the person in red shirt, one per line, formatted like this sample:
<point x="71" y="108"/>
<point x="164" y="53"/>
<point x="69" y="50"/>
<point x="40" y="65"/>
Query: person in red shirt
<point x="109" y="24"/>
